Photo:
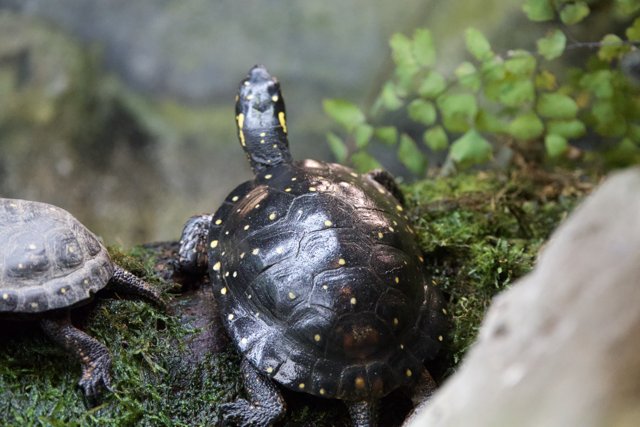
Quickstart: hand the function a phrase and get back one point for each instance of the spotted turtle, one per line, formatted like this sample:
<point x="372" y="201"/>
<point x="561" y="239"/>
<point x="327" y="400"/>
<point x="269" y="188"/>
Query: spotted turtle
<point x="50" y="263"/>
<point x="317" y="273"/>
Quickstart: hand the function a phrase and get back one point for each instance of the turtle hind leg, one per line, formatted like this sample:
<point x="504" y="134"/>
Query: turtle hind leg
<point x="93" y="355"/>
<point x="363" y="413"/>
<point x="266" y="405"/>
<point x="128" y="283"/>
<point x="387" y="180"/>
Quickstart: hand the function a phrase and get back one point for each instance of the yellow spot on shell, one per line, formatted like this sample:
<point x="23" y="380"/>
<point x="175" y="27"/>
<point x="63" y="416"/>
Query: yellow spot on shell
<point x="214" y="244"/>
<point x="323" y="391"/>
<point x="301" y="386"/>
<point x="288" y="189"/>
<point x="444" y="311"/>
<point x="63" y="291"/>
<point x="5" y="296"/>
<point x="353" y="301"/>
<point x="399" y="208"/>
<point x="32" y="246"/>
<point x="408" y="372"/>
<point x="440" y="338"/>
<point x="359" y="383"/>
<point x="272" y="216"/>
<point x="395" y="321"/>
<point x="243" y="341"/>
<point x="401" y="346"/>
<point x="257" y="206"/>
<point x="397" y="279"/>
<point x="275" y="98"/>
<point x="269" y="369"/>
<point x="263" y="134"/>
<point x="341" y="261"/>
<point x="34" y="305"/>
<point x="255" y="251"/>
<point x="380" y="235"/>
<point x="292" y="295"/>
<point x="230" y="317"/>
<point x="353" y="174"/>
<point x="268" y="176"/>
<point x="294" y="179"/>
<point x="328" y="223"/>
<point x="246" y="227"/>
<point x="317" y="337"/>
<point x="421" y="259"/>
<point x="242" y="255"/>
<point x="279" y="250"/>
<point x="391" y="229"/>
<point x="216" y="266"/>
<point x="218" y="222"/>
<point x="312" y="189"/>
<point x="235" y="198"/>
<point x="283" y="121"/>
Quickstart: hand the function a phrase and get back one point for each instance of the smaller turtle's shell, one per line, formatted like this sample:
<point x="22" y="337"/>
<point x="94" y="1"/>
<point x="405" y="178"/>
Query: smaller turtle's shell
<point x="48" y="260"/>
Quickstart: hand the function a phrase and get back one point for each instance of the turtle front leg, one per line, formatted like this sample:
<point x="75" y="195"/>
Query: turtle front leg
<point x="363" y="413"/>
<point x="93" y="355"/>
<point x="128" y="283"/>
<point x="266" y="405"/>
<point x="387" y="180"/>
<point x="192" y="255"/>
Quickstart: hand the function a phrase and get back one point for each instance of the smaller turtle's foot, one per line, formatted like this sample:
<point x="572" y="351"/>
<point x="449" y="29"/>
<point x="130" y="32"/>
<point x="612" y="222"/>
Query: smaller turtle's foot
<point x="93" y="355"/>
<point x="128" y="283"/>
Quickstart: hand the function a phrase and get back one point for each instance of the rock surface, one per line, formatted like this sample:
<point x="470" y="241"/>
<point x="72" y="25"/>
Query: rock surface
<point x="562" y="346"/>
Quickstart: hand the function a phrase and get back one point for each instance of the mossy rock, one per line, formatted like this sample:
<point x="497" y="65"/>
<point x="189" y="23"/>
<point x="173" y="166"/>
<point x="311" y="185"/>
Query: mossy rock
<point x="480" y="233"/>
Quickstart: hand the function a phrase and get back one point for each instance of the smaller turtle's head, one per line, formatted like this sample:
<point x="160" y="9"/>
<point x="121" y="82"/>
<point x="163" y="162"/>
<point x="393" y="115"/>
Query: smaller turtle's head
<point x="260" y="116"/>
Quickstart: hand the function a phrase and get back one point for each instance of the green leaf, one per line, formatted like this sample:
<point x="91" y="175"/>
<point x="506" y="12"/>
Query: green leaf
<point x="627" y="8"/>
<point x="388" y="98"/>
<point x="555" y="145"/>
<point x="468" y="75"/>
<point x="345" y="113"/>
<point x="489" y="122"/>
<point x="387" y="134"/>
<point x="401" y="50"/>
<point x="633" y="32"/>
<point x="526" y="127"/>
<point x="478" y="45"/>
<point x="362" y="135"/>
<point x="539" y="10"/>
<point x="432" y="85"/>
<point x="600" y="83"/>
<point x="337" y="147"/>
<point x="566" y="128"/>
<point x="410" y="155"/>
<point x="436" y="138"/>
<point x="458" y="111"/>
<point x="546" y="80"/>
<point x="422" y="111"/>
<point x="612" y="47"/>
<point x="470" y="148"/>
<point x="520" y="63"/>
<point x="493" y="70"/>
<point x="516" y="93"/>
<point x="363" y="162"/>
<point x="609" y="121"/>
<point x="423" y="48"/>
<point x="574" y="12"/>
<point x="552" y="45"/>
<point x="556" y="106"/>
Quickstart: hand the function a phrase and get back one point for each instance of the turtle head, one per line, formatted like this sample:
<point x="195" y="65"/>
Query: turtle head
<point x="260" y="116"/>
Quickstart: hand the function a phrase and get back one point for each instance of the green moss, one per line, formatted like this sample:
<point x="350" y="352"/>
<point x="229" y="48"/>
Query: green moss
<point x="483" y="231"/>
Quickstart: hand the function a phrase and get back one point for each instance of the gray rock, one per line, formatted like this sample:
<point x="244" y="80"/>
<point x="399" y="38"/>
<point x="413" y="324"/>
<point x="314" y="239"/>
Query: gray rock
<point x="562" y="346"/>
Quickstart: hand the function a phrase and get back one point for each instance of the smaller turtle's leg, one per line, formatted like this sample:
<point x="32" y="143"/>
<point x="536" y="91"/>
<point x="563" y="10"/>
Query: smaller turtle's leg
<point x="387" y="180"/>
<point x="266" y="405"/>
<point x="192" y="255"/>
<point x="125" y="282"/>
<point x="93" y="355"/>
<point x="363" y="413"/>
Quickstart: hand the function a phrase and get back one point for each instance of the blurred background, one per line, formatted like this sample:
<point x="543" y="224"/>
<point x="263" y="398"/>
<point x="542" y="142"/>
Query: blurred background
<point x="122" y="111"/>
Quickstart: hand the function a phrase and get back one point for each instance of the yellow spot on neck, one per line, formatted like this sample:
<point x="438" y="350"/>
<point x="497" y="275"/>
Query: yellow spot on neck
<point x="240" y="120"/>
<point x="263" y="134"/>
<point x="274" y="98"/>
<point x="283" y="121"/>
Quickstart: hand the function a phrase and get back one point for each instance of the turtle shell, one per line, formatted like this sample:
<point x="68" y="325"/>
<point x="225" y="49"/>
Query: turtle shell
<point x="48" y="260"/>
<point x="321" y="284"/>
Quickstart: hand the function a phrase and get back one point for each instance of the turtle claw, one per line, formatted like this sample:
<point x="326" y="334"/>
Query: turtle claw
<point x="96" y="377"/>
<point x="244" y="413"/>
